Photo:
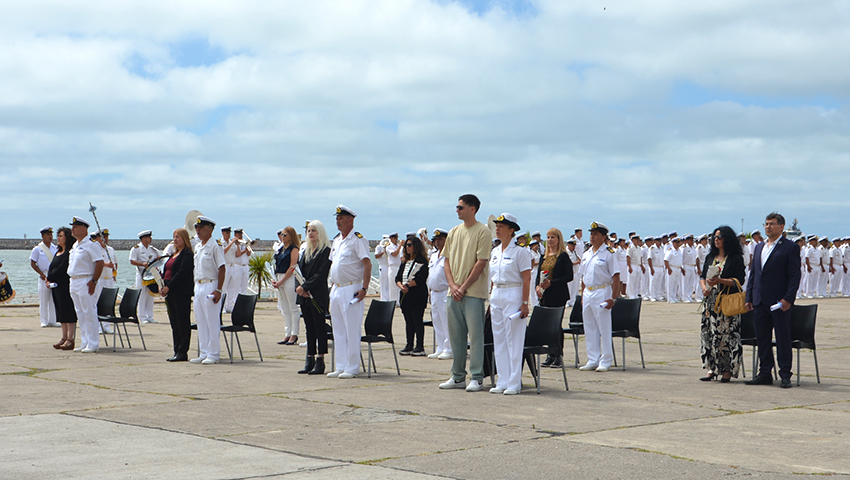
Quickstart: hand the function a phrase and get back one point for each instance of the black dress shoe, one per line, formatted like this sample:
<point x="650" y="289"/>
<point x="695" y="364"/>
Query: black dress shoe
<point x="179" y="358"/>
<point x="785" y="383"/>
<point x="760" y="380"/>
<point x="707" y="378"/>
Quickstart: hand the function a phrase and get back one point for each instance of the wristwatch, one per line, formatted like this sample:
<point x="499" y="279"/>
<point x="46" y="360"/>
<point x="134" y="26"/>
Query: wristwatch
<point x="525" y="302"/>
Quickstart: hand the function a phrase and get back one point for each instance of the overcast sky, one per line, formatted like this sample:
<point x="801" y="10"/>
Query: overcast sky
<point x="646" y="115"/>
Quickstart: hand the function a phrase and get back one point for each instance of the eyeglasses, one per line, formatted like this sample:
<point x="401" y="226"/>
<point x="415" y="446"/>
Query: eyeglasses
<point x="408" y="244"/>
<point x="459" y="207"/>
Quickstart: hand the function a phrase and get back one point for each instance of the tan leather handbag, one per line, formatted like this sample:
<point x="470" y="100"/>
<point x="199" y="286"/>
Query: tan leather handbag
<point x="731" y="304"/>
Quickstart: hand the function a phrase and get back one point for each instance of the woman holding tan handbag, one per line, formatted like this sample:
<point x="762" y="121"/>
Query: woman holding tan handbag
<point x="720" y="334"/>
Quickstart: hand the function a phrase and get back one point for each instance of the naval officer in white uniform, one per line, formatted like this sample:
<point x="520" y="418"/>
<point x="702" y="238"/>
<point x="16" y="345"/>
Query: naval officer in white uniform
<point x="209" y="280"/>
<point x="40" y="260"/>
<point x="140" y="256"/>
<point x="438" y="286"/>
<point x="351" y="272"/>
<point x="600" y="280"/>
<point x="85" y="264"/>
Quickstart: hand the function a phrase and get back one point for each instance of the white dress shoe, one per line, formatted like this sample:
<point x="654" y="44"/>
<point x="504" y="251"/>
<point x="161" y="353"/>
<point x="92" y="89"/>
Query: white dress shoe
<point x="446" y="356"/>
<point x="511" y="392"/>
<point x="434" y="355"/>
<point x="88" y="350"/>
<point x="79" y="349"/>
<point x="334" y="374"/>
<point x="601" y="368"/>
<point x="347" y="375"/>
<point x="474" y="386"/>
<point x="497" y="390"/>
<point x="197" y="360"/>
<point x="209" y="361"/>
<point x="588" y="367"/>
<point x="451" y="383"/>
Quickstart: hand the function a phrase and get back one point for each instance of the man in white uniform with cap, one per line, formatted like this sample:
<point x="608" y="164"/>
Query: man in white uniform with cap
<point x="823" y="277"/>
<point x="40" y="260"/>
<point x="243" y="255"/>
<point x="111" y="261"/>
<point x="383" y="267"/>
<point x="836" y="268"/>
<point x="635" y="267"/>
<point x="600" y="279"/>
<point x="393" y="263"/>
<point x="85" y="264"/>
<point x="675" y="272"/>
<point x="231" y="285"/>
<point x="140" y="256"/>
<point x="689" y="264"/>
<point x="209" y="280"/>
<point x="351" y="273"/>
<point x="438" y="287"/>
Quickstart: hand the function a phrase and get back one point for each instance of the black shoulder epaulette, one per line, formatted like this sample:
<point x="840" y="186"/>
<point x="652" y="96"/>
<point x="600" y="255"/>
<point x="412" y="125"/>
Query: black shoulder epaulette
<point x="358" y="234"/>
<point x="338" y="234"/>
<point x="610" y="249"/>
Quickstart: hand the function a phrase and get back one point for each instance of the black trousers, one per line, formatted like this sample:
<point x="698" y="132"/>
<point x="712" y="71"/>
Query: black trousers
<point x="314" y="324"/>
<point x="766" y="323"/>
<point x="414" y="327"/>
<point x="179" y="314"/>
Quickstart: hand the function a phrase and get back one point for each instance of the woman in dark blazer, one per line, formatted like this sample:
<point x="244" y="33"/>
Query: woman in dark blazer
<point x="552" y="286"/>
<point x="313" y="295"/>
<point x="179" y="279"/>
<point x="58" y="273"/>
<point x="413" y="294"/>
<point x="720" y="336"/>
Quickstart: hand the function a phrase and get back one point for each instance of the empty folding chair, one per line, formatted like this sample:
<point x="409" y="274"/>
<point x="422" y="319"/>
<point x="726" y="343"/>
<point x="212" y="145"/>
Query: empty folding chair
<point x="545" y="336"/>
<point x="625" y="322"/>
<point x="242" y="320"/>
<point x="126" y="314"/>
<point x="379" y="328"/>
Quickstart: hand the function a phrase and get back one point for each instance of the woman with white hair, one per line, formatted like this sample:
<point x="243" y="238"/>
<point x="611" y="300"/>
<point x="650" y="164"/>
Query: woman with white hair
<point x="313" y="296"/>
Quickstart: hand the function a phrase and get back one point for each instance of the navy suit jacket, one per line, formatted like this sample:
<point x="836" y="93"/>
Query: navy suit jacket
<point x="780" y="276"/>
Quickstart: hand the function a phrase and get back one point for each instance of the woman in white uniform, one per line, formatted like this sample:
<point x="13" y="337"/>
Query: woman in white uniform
<point x="510" y="283"/>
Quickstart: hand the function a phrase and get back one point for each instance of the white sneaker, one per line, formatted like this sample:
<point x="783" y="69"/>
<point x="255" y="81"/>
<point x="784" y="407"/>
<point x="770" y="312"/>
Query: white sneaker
<point x="434" y="355"/>
<point x="334" y="374"/>
<point x="198" y="360"/>
<point x="511" y="392"/>
<point x="107" y="328"/>
<point x="45" y="325"/>
<point x="445" y="356"/>
<point x="88" y="350"/>
<point x="497" y="390"/>
<point x="79" y="349"/>
<point x="474" y="386"/>
<point x="601" y="368"/>
<point x="302" y="344"/>
<point x="347" y="375"/>
<point x="209" y="361"/>
<point x="588" y="367"/>
<point x="451" y="383"/>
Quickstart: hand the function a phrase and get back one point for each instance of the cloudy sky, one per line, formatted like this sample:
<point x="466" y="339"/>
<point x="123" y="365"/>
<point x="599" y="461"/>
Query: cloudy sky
<point x="643" y="114"/>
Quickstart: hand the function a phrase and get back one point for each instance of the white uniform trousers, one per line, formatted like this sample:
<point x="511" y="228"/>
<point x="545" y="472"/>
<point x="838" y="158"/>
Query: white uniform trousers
<point x="574" y="287"/>
<point x="635" y="281"/>
<point x="393" y="287"/>
<point x="230" y="286"/>
<point x="508" y="336"/>
<point x="385" y="283"/>
<point x="645" y="282"/>
<point x="86" y="307"/>
<point x="597" y="327"/>
<point x="822" y="280"/>
<point x="674" y="285"/>
<point x="207" y="318"/>
<point x="108" y="282"/>
<point x="347" y="320"/>
<point x="697" y="289"/>
<point x="845" y="283"/>
<point x="145" y="310"/>
<point x="46" y="309"/>
<point x="438" y="317"/>
<point x="688" y="283"/>
<point x="656" y="291"/>
<point x="801" y="290"/>
<point x="243" y="285"/>
<point x="835" y="281"/>
<point x="812" y="282"/>
<point x="286" y="297"/>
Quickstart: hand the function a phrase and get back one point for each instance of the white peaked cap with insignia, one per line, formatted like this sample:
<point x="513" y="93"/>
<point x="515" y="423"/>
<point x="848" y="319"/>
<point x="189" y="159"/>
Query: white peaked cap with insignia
<point x="79" y="221"/>
<point x="145" y="233"/>
<point x="343" y="210"/>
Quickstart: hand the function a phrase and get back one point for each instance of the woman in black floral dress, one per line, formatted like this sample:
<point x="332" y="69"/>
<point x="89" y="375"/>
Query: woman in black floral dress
<point x="720" y="342"/>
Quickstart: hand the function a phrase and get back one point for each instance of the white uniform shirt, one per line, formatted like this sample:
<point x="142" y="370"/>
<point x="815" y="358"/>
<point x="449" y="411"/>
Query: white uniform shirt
<point x="229" y="255"/>
<point x="845" y="250"/>
<point x="635" y="255"/>
<point x="579" y="247"/>
<point x="674" y="257"/>
<point x="393" y="261"/>
<point x="383" y="260"/>
<point x="813" y="255"/>
<point x="82" y="257"/>
<point x="689" y="255"/>
<point x="657" y="257"/>
<point x="598" y="268"/>
<point x="506" y="266"/>
<point x="702" y="252"/>
<point x="837" y="256"/>
<point x="208" y="258"/>
<point x="243" y="260"/>
<point x="143" y="254"/>
<point x="40" y="258"/>
<point x="437" y="273"/>
<point x="347" y="254"/>
<point x="824" y="256"/>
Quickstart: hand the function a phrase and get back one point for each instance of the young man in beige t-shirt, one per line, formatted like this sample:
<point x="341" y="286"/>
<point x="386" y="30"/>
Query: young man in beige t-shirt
<point x="467" y="251"/>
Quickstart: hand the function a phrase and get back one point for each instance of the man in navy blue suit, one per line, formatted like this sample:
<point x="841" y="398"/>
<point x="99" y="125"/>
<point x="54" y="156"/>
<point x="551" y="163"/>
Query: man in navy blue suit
<point x="774" y="278"/>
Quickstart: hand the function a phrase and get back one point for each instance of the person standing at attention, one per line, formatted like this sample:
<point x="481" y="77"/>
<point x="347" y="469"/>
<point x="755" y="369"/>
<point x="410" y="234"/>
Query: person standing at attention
<point x="209" y="279"/>
<point x="467" y="252"/>
<point x="40" y="260"/>
<point x="600" y="280"/>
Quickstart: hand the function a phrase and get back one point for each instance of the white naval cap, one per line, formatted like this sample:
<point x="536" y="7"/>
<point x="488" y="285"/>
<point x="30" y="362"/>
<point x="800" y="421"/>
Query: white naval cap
<point x="755" y="232"/>
<point x="823" y="239"/>
<point x="635" y="235"/>
<point x="79" y="221"/>
<point x="394" y="234"/>
<point x="600" y="227"/>
<point x="145" y="233"/>
<point x="836" y="239"/>
<point x="237" y="230"/>
<point x="280" y="231"/>
<point x="535" y="233"/>
<point x="410" y="234"/>
<point x="386" y="235"/>
<point x="46" y="230"/>
<point x="226" y="228"/>
<point x="439" y="232"/>
<point x="202" y="220"/>
<point x="507" y="219"/>
<point x="343" y="210"/>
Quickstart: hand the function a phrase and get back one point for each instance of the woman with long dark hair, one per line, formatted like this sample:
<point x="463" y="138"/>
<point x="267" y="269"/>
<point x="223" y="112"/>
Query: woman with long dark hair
<point x="413" y="296"/>
<point x="57" y="274"/>
<point x="720" y="335"/>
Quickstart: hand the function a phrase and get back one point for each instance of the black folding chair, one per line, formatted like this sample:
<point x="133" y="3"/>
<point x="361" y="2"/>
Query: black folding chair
<point x="625" y="322"/>
<point x="545" y="336"/>
<point x="379" y="328"/>
<point x="576" y="327"/>
<point x="106" y="308"/>
<point x="127" y="314"/>
<point x="803" y="319"/>
<point x="242" y="320"/>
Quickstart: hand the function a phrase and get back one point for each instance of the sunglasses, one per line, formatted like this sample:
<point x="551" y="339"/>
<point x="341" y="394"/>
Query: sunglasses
<point x="459" y="207"/>
<point x="408" y="244"/>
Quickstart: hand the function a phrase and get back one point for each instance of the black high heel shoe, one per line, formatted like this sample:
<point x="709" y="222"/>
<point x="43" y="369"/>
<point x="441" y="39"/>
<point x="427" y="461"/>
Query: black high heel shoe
<point x="708" y="377"/>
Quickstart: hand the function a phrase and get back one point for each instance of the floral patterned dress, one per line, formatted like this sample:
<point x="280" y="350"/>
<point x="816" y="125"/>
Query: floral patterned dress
<point x="720" y="336"/>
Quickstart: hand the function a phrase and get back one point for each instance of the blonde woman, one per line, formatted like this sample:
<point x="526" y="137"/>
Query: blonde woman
<point x="555" y="272"/>
<point x="285" y="261"/>
<point x="313" y="295"/>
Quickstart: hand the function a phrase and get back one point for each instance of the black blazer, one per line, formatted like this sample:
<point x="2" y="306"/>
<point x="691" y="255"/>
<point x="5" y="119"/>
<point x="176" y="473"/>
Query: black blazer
<point x="182" y="274"/>
<point x="780" y="277"/>
<point x="316" y="278"/>
<point x="562" y="273"/>
<point x="416" y="297"/>
<point x="734" y="268"/>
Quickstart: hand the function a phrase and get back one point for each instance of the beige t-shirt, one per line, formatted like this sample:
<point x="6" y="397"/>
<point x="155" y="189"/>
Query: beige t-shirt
<point x="465" y="246"/>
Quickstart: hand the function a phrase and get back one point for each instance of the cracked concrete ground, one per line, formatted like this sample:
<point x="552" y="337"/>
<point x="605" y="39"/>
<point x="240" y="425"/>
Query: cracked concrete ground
<point x="129" y="414"/>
